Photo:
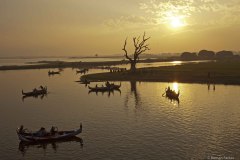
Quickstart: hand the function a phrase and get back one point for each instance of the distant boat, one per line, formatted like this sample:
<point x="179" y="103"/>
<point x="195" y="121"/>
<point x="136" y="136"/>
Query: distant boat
<point x="172" y="94"/>
<point x="35" y="92"/>
<point x="84" y="81"/>
<point x="40" y="136"/>
<point x="100" y="88"/>
<point x="112" y="85"/>
<point x="82" y="71"/>
<point x="53" y="72"/>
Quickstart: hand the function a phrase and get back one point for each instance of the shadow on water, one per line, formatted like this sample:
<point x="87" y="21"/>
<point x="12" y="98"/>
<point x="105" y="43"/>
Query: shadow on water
<point x="109" y="93"/>
<point x="36" y="97"/>
<point x="24" y="146"/>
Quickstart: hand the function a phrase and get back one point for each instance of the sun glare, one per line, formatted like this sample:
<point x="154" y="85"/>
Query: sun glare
<point x="175" y="86"/>
<point x="176" y="22"/>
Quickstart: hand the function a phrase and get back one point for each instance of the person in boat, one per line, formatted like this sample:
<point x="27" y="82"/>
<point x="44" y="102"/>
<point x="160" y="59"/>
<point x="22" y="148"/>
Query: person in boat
<point x="35" y="90"/>
<point x="41" y="87"/>
<point x="107" y="84"/>
<point x="42" y="132"/>
<point x="21" y="129"/>
<point x="168" y="89"/>
<point x="53" y="130"/>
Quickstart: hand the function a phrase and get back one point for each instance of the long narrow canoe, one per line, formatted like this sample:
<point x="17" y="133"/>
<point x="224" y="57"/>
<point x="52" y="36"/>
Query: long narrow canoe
<point x="36" y="92"/>
<point x="35" y="137"/>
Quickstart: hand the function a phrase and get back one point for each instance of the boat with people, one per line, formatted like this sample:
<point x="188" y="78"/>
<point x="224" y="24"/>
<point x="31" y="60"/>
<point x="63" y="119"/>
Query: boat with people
<point x="108" y="87"/>
<point x="53" y="72"/>
<point x="43" y="135"/>
<point x="112" y="85"/>
<point x="172" y="94"/>
<point x="100" y="89"/>
<point x="36" y="92"/>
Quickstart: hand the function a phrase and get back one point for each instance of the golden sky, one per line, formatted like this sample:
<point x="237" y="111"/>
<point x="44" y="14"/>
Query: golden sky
<point x="88" y="27"/>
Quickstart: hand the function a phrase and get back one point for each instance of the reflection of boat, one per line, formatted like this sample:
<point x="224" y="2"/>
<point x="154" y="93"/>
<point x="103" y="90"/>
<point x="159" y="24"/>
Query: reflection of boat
<point x="109" y="92"/>
<point x="42" y="135"/>
<point x="35" y="92"/>
<point x="173" y="99"/>
<point x="100" y="89"/>
<point x="41" y="96"/>
<point x="24" y="146"/>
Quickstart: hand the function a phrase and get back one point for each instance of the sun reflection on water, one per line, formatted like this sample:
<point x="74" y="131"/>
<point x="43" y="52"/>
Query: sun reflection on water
<point x="175" y="86"/>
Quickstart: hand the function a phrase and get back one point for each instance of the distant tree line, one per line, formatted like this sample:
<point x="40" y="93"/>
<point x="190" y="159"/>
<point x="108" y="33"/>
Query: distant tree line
<point x="208" y="55"/>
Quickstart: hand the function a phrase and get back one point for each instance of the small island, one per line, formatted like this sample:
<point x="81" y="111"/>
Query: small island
<point x="214" y="72"/>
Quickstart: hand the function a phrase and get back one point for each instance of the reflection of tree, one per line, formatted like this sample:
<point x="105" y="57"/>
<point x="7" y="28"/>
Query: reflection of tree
<point x="135" y="94"/>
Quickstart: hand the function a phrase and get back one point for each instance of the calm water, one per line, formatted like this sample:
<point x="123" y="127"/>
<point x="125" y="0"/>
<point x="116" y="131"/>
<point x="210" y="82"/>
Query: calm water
<point x="25" y="61"/>
<point x="137" y="123"/>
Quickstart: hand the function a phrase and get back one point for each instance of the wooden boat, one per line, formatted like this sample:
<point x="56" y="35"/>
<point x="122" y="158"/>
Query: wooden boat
<point x="38" y="136"/>
<point x="35" y="92"/>
<point x="112" y="85"/>
<point x="53" y="72"/>
<point x="172" y="94"/>
<point x="100" y="89"/>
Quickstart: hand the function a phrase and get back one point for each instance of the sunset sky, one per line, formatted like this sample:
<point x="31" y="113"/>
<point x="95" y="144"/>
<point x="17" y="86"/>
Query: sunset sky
<point x="88" y="27"/>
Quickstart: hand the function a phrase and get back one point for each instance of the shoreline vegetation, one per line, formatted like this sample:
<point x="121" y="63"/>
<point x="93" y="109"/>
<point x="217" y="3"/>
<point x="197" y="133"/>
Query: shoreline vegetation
<point x="211" y="72"/>
<point x="219" y="72"/>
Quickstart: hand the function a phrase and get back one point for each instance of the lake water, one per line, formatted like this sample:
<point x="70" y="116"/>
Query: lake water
<point x="138" y="123"/>
<point x="32" y="60"/>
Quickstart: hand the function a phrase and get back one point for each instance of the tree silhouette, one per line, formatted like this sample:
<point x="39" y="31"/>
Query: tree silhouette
<point x="140" y="47"/>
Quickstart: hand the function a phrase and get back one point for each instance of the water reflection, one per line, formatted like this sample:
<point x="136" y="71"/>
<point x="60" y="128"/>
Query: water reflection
<point x="173" y="100"/>
<point x="109" y="93"/>
<point x="213" y="87"/>
<point x="134" y="92"/>
<point x="24" y="146"/>
<point x="36" y="97"/>
<point x="175" y="87"/>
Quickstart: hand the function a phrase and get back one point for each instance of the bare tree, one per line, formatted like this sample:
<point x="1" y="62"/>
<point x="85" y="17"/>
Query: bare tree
<point x="140" y="47"/>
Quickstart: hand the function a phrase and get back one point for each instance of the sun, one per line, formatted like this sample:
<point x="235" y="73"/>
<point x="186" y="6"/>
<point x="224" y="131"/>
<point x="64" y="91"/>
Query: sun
<point x="176" y="22"/>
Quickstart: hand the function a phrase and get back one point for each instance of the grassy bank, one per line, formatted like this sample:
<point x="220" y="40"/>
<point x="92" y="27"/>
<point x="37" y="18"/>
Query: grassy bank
<point x="221" y="72"/>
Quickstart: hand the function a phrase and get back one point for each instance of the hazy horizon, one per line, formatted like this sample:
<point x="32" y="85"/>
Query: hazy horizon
<point x="85" y="28"/>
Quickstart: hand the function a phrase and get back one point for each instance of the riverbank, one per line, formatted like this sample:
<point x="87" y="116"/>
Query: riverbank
<point x="220" y="72"/>
<point x="63" y="64"/>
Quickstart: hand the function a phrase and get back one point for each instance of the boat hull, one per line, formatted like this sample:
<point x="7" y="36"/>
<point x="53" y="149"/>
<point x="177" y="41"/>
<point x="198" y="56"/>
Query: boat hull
<point x="32" y="137"/>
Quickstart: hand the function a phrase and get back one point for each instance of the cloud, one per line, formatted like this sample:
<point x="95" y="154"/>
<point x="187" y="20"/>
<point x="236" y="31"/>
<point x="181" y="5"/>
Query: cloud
<point x="194" y="12"/>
